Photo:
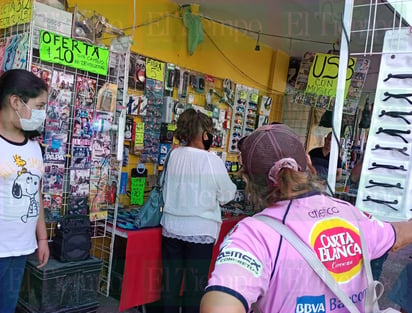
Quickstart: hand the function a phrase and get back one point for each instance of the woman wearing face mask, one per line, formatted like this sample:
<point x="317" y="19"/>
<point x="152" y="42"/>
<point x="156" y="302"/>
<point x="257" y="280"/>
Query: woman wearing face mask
<point x="196" y="183"/>
<point x="23" y="98"/>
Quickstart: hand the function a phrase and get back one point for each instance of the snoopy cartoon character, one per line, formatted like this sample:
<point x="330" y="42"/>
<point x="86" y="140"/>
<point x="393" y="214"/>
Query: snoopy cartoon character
<point x="26" y="184"/>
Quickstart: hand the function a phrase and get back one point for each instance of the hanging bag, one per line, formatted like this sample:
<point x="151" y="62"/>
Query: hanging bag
<point x="150" y="213"/>
<point x="371" y="300"/>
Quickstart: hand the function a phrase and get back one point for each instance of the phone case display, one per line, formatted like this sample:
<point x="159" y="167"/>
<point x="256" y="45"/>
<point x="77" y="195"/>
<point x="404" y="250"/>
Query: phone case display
<point x="137" y="72"/>
<point x="244" y="115"/>
<point x="251" y="111"/>
<point x="385" y="189"/>
<point x="264" y="110"/>
<point x="152" y="120"/>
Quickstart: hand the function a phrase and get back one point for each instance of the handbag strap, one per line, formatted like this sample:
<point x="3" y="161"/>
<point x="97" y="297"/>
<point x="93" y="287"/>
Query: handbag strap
<point x="161" y="177"/>
<point x="311" y="258"/>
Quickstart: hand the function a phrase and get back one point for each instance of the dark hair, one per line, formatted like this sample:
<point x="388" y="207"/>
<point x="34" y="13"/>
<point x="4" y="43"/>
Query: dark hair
<point x="191" y="123"/>
<point x="21" y="83"/>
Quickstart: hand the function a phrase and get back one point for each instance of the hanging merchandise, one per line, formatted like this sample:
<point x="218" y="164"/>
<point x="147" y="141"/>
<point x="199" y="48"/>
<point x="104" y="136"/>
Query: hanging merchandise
<point x="264" y="110"/>
<point x="137" y="72"/>
<point x="385" y="187"/>
<point x="251" y="111"/>
<point x="170" y="78"/>
<point x="238" y="117"/>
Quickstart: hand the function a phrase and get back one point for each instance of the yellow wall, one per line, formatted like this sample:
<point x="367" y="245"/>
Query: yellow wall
<point x="225" y="52"/>
<point x="166" y="40"/>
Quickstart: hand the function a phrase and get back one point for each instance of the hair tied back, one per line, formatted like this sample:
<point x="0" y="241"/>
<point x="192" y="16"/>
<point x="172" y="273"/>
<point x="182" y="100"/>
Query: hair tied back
<point x="278" y="166"/>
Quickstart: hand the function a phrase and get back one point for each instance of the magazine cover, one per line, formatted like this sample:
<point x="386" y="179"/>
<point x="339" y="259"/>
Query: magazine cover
<point x="81" y="157"/>
<point x="79" y="183"/>
<point x="55" y="146"/>
<point x="82" y="125"/>
<point x="43" y="73"/>
<point x="58" y="112"/>
<point x="85" y="92"/>
<point x="106" y="98"/>
<point x="53" y="178"/>
<point x="62" y="81"/>
<point x="52" y="207"/>
<point x="78" y="205"/>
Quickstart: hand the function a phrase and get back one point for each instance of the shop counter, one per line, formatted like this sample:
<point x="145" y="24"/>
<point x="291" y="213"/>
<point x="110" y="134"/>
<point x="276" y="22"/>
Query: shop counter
<point x="142" y="273"/>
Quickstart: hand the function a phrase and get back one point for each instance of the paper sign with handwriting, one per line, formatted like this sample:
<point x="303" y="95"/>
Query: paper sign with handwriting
<point x="59" y="49"/>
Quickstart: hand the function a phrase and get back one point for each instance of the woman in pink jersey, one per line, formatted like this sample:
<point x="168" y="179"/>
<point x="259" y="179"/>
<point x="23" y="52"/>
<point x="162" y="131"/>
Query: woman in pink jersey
<point x="256" y="266"/>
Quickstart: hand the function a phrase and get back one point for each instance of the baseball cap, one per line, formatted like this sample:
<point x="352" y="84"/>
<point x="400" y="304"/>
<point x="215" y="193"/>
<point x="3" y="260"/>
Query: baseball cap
<point x="267" y="145"/>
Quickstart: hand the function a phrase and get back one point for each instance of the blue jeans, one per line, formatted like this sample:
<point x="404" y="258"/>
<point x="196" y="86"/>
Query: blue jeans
<point x="11" y="276"/>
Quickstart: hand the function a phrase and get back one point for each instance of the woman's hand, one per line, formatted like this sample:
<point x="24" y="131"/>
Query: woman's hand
<point x="43" y="252"/>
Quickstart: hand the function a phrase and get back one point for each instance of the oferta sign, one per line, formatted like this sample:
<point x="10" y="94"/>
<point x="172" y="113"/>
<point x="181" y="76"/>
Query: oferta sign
<point x="59" y="49"/>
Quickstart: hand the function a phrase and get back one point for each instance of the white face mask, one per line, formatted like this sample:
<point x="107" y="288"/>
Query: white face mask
<point x="36" y="120"/>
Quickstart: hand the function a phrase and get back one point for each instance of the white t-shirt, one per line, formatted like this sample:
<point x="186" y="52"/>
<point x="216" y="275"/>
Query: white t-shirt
<point x="196" y="182"/>
<point x="21" y="169"/>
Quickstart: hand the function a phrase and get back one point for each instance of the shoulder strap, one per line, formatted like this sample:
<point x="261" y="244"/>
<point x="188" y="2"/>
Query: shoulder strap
<point x="161" y="178"/>
<point x="310" y="257"/>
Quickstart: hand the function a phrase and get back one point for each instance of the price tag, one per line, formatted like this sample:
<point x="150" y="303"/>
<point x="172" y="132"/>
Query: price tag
<point x="155" y="69"/>
<point x="59" y="49"/>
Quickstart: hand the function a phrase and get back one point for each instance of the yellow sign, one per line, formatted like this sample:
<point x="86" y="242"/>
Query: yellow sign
<point x="323" y="75"/>
<point x="14" y="12"/>
<point x="155" y="69"/>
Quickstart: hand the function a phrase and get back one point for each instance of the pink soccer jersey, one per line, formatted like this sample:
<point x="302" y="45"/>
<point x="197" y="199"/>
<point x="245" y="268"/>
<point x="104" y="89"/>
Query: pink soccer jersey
<point x="256" y="263"/>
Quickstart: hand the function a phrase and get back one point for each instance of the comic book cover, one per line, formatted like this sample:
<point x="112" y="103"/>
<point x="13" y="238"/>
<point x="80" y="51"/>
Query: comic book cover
<point x="82" y="125"/>
<point x="52" y="207"/>
<point x="55" y="146"/>
<point x="43" y="73"/>
<point x="85" y="92"/>
<point x="53" y="178"/>
<point x="81" y="157"/>
<point x="79" y="182"/>
<point x="106" y="98"/>
<point x="58" y="112"/>
<point x="78" y="205"/>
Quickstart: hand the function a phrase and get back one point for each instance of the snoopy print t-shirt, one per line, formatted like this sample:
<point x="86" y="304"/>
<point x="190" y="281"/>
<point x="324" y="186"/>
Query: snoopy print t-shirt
<point x="21" y="169"/>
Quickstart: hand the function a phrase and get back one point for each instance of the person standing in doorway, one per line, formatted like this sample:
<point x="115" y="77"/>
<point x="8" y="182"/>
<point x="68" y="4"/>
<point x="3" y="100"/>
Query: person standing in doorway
<point x="23" y="97"/>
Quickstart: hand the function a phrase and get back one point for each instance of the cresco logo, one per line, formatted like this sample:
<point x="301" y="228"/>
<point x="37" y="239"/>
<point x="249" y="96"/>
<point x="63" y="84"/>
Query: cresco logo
<point x="337" y="244"/>
<point x="321" y="213"/>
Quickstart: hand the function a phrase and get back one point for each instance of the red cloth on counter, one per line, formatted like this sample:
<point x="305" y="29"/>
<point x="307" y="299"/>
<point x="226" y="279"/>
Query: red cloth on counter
<point x="142" y="276"/>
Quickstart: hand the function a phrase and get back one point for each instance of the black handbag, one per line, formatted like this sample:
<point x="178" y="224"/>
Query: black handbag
<point x="150" y="213"/>
<point x="72" y="239"/>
